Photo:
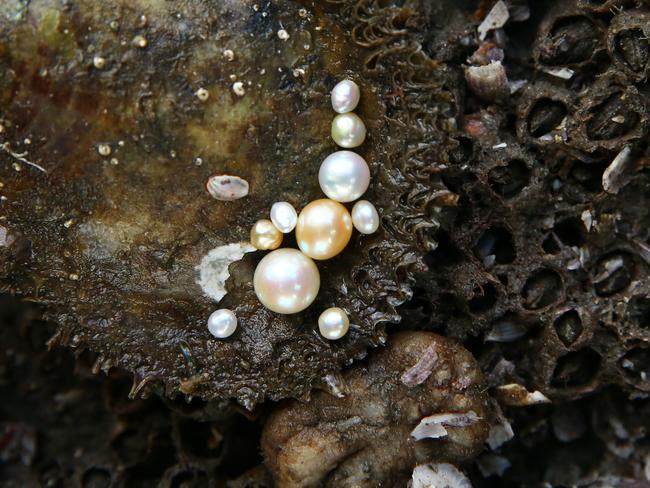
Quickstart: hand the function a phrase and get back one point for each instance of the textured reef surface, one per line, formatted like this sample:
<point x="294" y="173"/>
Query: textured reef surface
<point x="508" y="146"/>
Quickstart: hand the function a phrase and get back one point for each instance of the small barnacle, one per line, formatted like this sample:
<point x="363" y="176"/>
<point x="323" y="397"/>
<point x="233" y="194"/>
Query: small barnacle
<point x="104" y="149"/>
<point x="229" y="54"/>
<point x="488" y="82"/>
<point x="438" y="475"/>
<point x="99" y="62"/>
<point x="568" y="37"/>
<point x="202" y="94"/>
<point x="628" y="43"/>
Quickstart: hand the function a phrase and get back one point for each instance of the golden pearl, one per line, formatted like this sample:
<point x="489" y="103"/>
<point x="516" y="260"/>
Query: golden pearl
<point x="265" y="236"/>
<point x="324" y="229"/>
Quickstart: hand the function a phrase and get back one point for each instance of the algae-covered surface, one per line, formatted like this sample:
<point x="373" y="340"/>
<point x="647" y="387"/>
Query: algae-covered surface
<point x="114" y="115"/>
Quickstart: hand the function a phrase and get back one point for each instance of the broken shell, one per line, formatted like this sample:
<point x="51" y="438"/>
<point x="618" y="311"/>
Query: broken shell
<point x="438" y="475"/>
<point x="515" y="395"/>
<point x="226" y="187"/>
<point x="433" y="427"/>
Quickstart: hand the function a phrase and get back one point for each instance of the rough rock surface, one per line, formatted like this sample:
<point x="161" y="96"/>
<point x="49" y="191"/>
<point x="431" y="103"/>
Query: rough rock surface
<point x="368" y="437"/>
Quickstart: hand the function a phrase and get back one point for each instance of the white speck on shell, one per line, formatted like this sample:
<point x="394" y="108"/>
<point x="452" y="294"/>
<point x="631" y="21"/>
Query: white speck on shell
<point x="213" y="270"/>
<point x="226" y="187"/>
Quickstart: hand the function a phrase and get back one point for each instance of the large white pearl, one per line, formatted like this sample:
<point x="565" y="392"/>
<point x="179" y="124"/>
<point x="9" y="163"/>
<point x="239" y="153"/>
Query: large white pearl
<point x="345" y="96"/>
<point x="284" y="216"/>
<point x="344" y="176"/>
<point x="324" y="229"/>
<point x="365" y="217"/>
<point x="333" y="323"/>
<point x="348" y="130"/>
<point x="286" y="281"/>
<point x="222" y="323"/>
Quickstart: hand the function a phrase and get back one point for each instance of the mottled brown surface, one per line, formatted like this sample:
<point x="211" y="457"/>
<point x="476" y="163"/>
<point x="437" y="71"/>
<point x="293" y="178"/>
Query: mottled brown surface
<point x="111" y="243"/>
<point x="364" y="439"/>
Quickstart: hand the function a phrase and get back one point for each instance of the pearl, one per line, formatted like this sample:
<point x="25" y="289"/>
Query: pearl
<point x="286" y="281"/>
<point x="324" y="229"/>
<point x="365" y="217"/>
<point x="265" y="236"/>
<point x="222" y="323"/>
<point x="344" y="176"/>
<point x="284" y="216"/>
<point x="348" y="130"/>
<point x="333" y="323"/>
<point x="345" y="96"/>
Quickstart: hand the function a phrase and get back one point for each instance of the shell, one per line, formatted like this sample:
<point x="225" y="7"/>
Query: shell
<point x="226" y="187"/>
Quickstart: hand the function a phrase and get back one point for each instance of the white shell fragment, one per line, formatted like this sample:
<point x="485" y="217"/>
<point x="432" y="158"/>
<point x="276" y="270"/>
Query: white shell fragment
<point x="516" y="395"/>
<point x="418" y="374"/>
<point x="619" y="172"/>
<point x="496" y="19"/>
<point x="441" y="475"/>
<point x="433" y="427"/>
<point x="213" y="270"/>
<point x="226" y="187"/>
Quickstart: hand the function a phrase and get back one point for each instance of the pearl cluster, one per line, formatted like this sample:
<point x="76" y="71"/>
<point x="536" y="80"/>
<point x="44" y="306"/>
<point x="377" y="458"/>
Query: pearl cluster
<point x="286" y="280"/>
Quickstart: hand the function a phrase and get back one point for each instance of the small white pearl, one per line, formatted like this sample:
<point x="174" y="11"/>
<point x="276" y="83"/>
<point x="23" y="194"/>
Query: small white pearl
<point x="284" y="216"/>
<point x="348" y="130"/>
<point x="345" y="96"/>
<point x="286" y="281"/>
<point x="222" y="323"/>
<point x="365" y="217"/>
<point x="344" y="176"/>
<point x="333" y="323"/>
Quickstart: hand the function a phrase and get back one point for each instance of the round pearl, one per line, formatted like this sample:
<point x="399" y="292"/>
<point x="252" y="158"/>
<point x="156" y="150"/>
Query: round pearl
<point x="344" y="176"/>
<point x="222" y="323"/>
<point x="333" y="323"/>
<point x="365" y="217"/>
<point x="324" y="229"/>
<point x="265" y="236"/>
<point x="345" y="96"/>
<point x="348" y="130"/>
<point x="284" y="216"/>
<point x="286" y="281"/>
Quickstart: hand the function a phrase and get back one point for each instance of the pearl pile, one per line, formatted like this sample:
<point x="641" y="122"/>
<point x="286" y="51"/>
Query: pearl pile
<point x="287" y="281"/>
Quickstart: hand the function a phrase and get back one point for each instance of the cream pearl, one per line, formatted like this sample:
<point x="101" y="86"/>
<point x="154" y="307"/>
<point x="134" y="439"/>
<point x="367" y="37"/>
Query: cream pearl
<point x="284" y="216"/>
<point x="333" y="323"/>
<point x="348" y="130"/>
<point x="286" y="281"/>
<point x="265" y="236"/>
<point x="345" y="96"/>
<point x="365" y="217"/>
<point x="344" y="176"/>
<point x="324" y="229"/>
<point x="222" y="323"/>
